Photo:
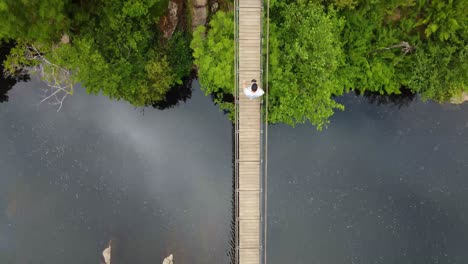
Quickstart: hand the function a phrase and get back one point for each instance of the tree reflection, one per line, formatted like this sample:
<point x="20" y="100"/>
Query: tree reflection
<point x="7" y="83"/>
<point x="398" y="100"/>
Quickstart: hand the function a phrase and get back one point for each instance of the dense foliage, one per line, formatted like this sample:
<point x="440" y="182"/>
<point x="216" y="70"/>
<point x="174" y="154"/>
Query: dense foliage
<point x="322" y="48"/>
<point x="214" y="55"/>
<point x="41" y="21"/>
<point x="115" y="46"/>
<point x="305" y="54"/>
<point x="406" y="43"/>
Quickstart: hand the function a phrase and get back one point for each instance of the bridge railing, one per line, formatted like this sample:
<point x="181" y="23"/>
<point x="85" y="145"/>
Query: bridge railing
<point x="236" y="123"/>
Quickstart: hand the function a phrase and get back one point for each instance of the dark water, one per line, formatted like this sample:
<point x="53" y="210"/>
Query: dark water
<point x="381" y="185"/>
<point x="155" y="183"/>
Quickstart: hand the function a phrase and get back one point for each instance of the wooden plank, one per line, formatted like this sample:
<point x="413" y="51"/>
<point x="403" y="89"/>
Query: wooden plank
<point x="249" y="229"/>
<point x="249" y="59"/>
<point x="250" y="4"/>
<point x="249" y="256"/>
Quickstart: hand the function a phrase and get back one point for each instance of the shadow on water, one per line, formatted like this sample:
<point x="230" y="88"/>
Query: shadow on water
<point x="7" y="83"/>
<point x="225" y="97"/>
<point x="177" y="94"/>
<point x="398" y="100"/>
<point x="221" y="98"/>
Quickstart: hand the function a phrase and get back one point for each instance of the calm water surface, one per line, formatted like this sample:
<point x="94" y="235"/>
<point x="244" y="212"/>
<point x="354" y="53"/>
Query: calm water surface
<point x="381" y="185"/>
<point x="155" y="183"/>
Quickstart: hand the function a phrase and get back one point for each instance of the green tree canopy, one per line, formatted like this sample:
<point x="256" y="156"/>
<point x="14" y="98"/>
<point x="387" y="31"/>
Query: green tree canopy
<point x="115" y="47"/>
<point x="305" y="53"/>
<point x="115" y="53"/>
<point x="214" y="54"/>
<point x="302" y="75"/>
<point x="432" y="63"/>
<point x="30" y="20"/>
<point x="440" y="71"/>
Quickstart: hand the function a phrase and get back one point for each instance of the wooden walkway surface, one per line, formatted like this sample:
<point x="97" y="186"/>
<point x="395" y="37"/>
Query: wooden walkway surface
<point x="248" y="129"/>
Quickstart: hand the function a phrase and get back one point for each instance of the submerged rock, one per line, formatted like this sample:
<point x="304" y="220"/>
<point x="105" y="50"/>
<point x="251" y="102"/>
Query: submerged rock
<point x="169" y="260"/>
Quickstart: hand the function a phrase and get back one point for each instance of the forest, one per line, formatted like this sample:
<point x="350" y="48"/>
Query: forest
<point x="318" y="50"/>
<point x="111" y="47"/>
<point x="322" y="49"/>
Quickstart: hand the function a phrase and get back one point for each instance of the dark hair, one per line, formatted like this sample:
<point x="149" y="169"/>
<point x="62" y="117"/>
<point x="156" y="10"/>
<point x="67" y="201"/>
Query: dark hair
<point x="254" y="87"/>
<point x="253" y="80"/>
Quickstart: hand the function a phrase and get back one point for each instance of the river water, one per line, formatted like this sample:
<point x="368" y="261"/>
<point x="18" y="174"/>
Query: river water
<point x="156" y="183"/>
<point x="380" y="185"/>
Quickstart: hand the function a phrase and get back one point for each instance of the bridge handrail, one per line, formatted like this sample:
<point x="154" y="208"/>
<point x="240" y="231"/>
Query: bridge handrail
<point x="236" y="123"/>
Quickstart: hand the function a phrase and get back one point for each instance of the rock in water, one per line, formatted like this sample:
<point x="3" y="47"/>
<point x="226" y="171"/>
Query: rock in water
<point x="169" y="260"/>
<point x="106" y="253"/>
<point x="459" y="99"/>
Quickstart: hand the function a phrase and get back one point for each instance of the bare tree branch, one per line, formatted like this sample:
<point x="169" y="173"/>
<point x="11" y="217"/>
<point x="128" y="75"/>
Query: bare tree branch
<point x="406" y="47"/>
<point x="57" y="78"/>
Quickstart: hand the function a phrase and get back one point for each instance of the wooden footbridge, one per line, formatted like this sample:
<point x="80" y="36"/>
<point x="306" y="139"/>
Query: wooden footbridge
<point x="249" y="138"/>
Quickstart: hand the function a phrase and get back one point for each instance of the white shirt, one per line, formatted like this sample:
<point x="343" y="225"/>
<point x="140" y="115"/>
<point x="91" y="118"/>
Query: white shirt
<point x="252" y="95"/>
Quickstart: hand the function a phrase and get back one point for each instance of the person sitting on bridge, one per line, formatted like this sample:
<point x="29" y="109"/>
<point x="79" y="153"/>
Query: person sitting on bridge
<point x="252" y="91"/>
